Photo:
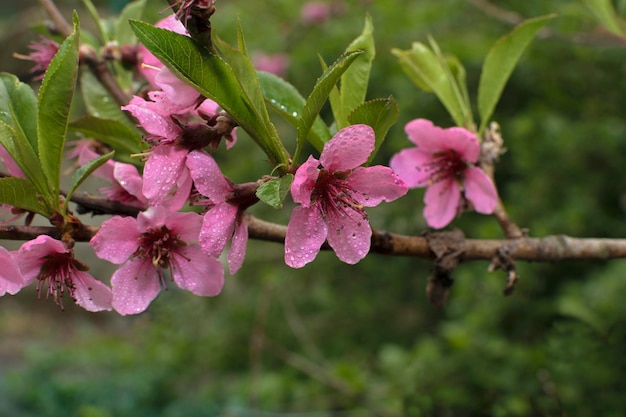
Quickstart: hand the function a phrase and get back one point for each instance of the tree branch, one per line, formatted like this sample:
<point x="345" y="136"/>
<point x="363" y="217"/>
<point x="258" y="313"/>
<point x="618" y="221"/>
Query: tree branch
<point x="547" y="249"/>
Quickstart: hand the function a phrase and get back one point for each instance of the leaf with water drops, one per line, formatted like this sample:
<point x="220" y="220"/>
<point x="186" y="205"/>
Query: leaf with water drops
<point x="287" y="101"/>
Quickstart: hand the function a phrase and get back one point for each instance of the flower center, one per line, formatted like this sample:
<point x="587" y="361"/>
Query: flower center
<point x="158" y="245"/>
<point x="334" y="195"/>
<point x="445" y="165"/>
<point x="56" y="274"/>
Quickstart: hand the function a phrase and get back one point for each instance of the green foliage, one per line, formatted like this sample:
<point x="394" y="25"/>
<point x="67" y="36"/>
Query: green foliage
<point x="274" y="191"/>
<point x="500" y="62"/>
<point x="54" y="101"/>
<point x="430" y="70"/>
<point x="355" y="80"/>
<point x="323" y="86"/>
<point x="606" y="14"/>
<point x="285" y="99"/>
<point x="380" y="114"/>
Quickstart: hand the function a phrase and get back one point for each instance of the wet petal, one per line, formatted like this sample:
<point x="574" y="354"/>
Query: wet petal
<point x="304" y="181"/>
<point x="442" y="201"/>
<point x="376" y="184"/>
<point x="116" y="240"/>
<point x="185" y="225"/>
<point x="91" y="294"/>
<point x="196" y="272"/>
<point x="153" y="122"/>
<point x="412" y="166"/>
<point x="480" y="190"/>
<point x="349" y="148"/>
<point x="218" y="226"/>
<point x="128" y="177"/>
<point x="349" y="234"/>
<point x="162" y="172"/>
<point x="237" y="251"/>
<point x="135" y="284"/>
<point x="207" y="176"/>
<point x="306" y="232"/>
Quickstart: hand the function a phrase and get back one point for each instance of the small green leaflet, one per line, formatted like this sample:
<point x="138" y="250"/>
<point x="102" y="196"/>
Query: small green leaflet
<point x="273" y="192"/>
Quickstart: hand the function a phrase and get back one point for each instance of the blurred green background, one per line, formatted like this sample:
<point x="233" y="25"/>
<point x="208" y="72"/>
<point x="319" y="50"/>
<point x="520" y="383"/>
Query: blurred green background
<point x="338" y="340"/>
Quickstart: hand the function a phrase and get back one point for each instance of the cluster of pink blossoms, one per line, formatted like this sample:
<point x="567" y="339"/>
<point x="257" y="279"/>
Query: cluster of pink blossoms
<point x="331" y="194"/>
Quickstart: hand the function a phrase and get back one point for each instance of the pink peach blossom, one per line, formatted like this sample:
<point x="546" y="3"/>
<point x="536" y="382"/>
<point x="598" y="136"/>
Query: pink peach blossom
<point x="156" y="240"/>
<point x="332" y="199"/>
<point x="224" y="220"/>
<point x="444" y="160"/>
<point x="43" y="51"/>
<point x="48" y="261"/>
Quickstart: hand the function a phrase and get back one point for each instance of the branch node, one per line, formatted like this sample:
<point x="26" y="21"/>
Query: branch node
<point x="448" y="247"/>
<point x="504" y="261"/>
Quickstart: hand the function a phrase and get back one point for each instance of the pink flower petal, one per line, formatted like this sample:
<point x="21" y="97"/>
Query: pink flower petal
<point x="128" y="177"/>
<point x="11" y="280"/>
<point x="178" y="92"/>
<point x="304" y="181"/>
<point x="424" y="134"/>
<point x="207" y="177"/>
<point x="194" y="271"/>
<point x="442" y="201"/>
<point x="237" y="251"/>
<point x="185" y="225"/>
<point x="480" y="190"/>
<point x="162" y="172"/>
<point x="135" y="284"/>
<point x="30" y="256"/>
<point x="349" y="148"/>
<point x="463" y="142"/>
<point x="116" y="240"/>
<point x="349" y="234"/>
<point x="218" y="226"/>
<point x="91" y="294"/>
<point x="411" y="165"/>
<point x="306" y="232"/>
<point x="155" y="123"/>
<point x="376" y="184"/>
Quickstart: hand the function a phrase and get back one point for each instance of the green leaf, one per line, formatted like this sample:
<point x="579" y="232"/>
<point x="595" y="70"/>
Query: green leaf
<point x="83" y="172"/>
<point x="19" y="192"/>
<point x="23" y="154"/>
<point x="55" y="99"/>
<point x="99" y="102"/>
<point x="604" y="12"/>
<point x="287" y="101"/>
<point x="500" y="62"/>
<point x="319" y="95"/>
<point x="97" y="20"/>
<point x="354" y="81"/>
<point x="18" y="107"/>
<point x="430" y="72"/>
<point x="274" y="191"/>
<point x="380" y="114"/>
<point x="115" y="134"/>
<point x="226" y="83"/>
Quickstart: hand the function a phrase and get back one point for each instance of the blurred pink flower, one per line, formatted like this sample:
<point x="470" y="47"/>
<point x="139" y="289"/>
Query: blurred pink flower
<point x="315" y="12"/>
<point x="11" y="280"/>
<point x="273" y="63"/>
<point x="332" y="199"/>
<point x="156" y="240"/>
<point x="48" y="261"/>
<point x="444" y="161"/>
<point x="224" y="220"/>
<point x="43" y="52"/>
